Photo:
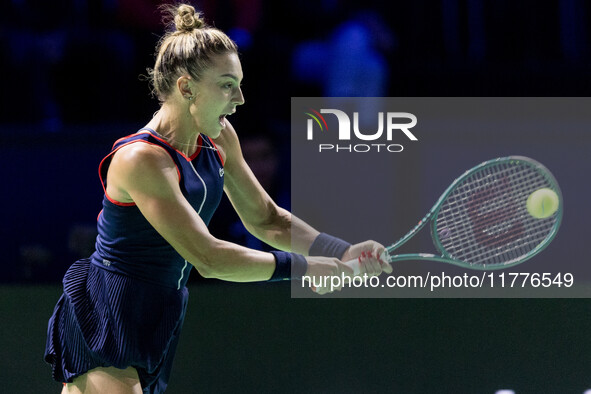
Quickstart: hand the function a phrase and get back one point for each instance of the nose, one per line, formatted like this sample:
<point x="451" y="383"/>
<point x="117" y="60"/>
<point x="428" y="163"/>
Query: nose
<point x="238" y="98"/>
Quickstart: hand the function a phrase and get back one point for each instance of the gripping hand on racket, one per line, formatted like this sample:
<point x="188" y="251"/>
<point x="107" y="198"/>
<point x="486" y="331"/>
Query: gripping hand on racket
<point x="366" y="254"/>
<point x="369" y="255"/>
<point x="320" y="268"/>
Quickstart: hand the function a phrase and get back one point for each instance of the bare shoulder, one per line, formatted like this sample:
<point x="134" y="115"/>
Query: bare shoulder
<point x="140" y="167"/>
<point x="141" y="157"/>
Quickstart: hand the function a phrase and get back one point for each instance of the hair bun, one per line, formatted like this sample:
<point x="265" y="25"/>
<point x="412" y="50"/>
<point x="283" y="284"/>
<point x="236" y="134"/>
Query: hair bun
<point x="187" y="19"/>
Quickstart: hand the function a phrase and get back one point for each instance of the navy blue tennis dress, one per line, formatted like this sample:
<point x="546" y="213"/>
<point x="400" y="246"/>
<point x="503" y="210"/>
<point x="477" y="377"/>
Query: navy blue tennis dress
<point x="125" y="305"/>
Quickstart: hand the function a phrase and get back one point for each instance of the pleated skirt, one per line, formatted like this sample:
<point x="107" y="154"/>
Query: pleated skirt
<point x="107" y="319"/>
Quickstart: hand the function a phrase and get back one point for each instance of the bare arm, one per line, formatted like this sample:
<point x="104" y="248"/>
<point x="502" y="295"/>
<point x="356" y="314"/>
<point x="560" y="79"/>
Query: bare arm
<point x="261" y="216"/>
<point x="272" y="224"/>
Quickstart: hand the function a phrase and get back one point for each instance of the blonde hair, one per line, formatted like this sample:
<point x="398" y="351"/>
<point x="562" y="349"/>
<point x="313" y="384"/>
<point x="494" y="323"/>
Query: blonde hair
<point x="186" y="49"/>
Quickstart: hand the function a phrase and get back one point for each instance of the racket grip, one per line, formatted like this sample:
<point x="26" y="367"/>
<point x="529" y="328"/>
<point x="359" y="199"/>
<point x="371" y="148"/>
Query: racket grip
<point x="355" y="264"/>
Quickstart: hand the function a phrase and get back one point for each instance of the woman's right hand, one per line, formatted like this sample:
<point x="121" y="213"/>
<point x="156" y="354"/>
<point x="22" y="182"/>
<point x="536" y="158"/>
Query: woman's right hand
<point x="321" y="270"/>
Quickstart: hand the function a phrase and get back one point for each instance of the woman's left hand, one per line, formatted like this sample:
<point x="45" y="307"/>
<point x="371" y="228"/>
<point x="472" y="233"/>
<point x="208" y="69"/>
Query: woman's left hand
<point x="369" y="255"/>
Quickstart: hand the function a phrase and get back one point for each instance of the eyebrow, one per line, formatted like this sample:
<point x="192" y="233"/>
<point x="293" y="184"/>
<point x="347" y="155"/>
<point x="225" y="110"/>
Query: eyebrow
<point x="234" y="77"/>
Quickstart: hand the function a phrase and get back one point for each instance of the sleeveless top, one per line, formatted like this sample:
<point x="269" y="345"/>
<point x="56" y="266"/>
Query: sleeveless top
<point x="127" y="243"/>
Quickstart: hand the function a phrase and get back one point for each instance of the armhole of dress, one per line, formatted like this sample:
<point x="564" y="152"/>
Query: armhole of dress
<point x="107" y="160"/>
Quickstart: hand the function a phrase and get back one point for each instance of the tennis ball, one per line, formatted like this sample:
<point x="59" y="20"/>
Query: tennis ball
<point x="542" y="203"/>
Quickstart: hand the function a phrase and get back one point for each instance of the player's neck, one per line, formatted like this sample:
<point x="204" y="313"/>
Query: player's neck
<point x="175" y="128"/>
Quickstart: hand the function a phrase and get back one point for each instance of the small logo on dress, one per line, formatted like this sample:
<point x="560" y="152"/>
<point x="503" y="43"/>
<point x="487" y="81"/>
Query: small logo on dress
<point x="221" y="172"/>
<point x="106" y="263"/>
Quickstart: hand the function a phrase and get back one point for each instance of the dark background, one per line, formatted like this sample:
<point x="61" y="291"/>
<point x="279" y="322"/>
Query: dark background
<point x="71" y="85"/>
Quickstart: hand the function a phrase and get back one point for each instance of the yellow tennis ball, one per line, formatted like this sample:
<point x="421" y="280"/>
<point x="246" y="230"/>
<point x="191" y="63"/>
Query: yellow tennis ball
<point x="542" y="203"/>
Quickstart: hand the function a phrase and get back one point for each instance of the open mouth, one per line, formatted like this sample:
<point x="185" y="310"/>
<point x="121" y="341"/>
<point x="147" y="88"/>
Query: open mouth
<point x="222" y="118"/>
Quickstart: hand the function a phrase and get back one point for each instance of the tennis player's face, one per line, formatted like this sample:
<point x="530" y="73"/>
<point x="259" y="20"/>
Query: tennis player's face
<point x="218" y="94"/>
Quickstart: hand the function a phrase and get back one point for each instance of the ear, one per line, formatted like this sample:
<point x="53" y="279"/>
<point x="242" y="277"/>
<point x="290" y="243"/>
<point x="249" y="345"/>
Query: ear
<point x="186" y="86"/>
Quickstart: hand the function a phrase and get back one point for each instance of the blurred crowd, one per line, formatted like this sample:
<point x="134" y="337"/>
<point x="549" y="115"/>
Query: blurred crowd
<point x="79" y="60"/>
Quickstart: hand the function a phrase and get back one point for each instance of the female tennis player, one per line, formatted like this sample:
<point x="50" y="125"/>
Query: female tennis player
<point x="116" y="326"/>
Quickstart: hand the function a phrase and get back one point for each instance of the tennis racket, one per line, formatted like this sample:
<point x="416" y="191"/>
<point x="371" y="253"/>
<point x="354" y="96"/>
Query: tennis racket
<point x="481" y="221"/>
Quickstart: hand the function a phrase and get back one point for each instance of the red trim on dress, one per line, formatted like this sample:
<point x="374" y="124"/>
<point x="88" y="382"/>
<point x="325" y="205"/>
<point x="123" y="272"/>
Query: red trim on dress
<point x="199" y="144"/>
<point x="218" y="151"/>
<point x="130" y="135"/>
<point x="191" y="158"/>
<point x="103" y="181"/>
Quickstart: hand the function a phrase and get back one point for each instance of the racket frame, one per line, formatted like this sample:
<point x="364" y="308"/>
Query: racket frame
<point x="444" y="256"/>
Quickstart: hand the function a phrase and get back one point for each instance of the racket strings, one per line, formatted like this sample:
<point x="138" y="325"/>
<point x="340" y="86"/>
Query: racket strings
<point x="484" y="219"/>
<point x="459" y="201"/>
<point x="506" y="253"/>
<point x="498" y="231"/>
<point x="456" y="204"/>
<point x="497" y="235"/>
<point x="467" y="189"/>
<point x="507" y="210"/>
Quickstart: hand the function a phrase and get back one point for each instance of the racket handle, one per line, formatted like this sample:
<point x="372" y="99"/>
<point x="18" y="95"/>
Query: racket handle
<point x="355" y="264"/>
